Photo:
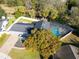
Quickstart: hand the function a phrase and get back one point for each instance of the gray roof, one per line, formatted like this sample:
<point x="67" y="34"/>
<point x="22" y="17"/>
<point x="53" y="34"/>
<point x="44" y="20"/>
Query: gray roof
<point x="64" y="53"/>
<point x="0" y="24"/>
<point x="21" y="27"/>
<point x="46" y="25"/>
<point x="19" y="44"/>
<point x="75" y="51"/>
<point x="37" y="24"/>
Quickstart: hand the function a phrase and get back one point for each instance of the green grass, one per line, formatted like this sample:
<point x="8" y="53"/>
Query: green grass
<point x="10" y="22"/>
<point x="3" y="38"/>
<point x="24" y="54"/>
<point x="25" y="20"/>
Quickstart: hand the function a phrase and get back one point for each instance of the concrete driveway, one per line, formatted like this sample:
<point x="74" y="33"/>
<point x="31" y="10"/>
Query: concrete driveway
<point x="9" y="44"/>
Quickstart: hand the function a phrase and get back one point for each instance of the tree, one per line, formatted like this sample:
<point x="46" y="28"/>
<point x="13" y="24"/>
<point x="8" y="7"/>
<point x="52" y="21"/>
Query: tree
<point x="20" y="2"/>
<point x="14" y="2"/>
<point x="1" y="1"/>
<point x="59" y="5"/>
<point x="74" y="17"/>
<point x="32" y="13"/>
<point x="11" y="2"/>
<point x="20" y="11"/>
<point x="42" y="41"/>
<point x="18" y="14"/>
<point x="53" y="13"/>
<point x="28" y="4"/>
<point x="45" y="12"/>
<point x="2" y="12"/>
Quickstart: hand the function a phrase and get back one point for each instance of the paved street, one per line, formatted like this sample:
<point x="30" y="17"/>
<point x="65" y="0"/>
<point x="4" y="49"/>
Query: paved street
<point x="9" y="44"/>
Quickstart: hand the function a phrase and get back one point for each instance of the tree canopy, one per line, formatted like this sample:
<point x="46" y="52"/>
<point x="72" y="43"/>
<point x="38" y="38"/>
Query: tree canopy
<point x="2" y="12"/>
<point x="43" y="41"/>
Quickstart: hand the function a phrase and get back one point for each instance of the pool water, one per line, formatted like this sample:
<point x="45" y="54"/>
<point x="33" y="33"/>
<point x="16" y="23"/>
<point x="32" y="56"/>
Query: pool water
<point x="55" y="31"/>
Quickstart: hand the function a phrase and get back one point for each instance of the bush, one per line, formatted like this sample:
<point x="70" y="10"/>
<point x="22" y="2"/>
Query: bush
<point x="18" y="14"/>
<point x="20" y="11"/>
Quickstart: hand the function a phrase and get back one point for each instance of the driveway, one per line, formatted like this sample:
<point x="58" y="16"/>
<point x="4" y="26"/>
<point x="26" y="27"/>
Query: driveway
<point x="9" y="44"/>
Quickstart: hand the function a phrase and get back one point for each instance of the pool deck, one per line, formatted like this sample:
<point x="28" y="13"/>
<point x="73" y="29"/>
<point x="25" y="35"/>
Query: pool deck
<point x="68" y="37"/>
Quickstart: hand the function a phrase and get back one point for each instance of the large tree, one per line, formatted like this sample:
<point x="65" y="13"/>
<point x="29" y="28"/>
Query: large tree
<point x="2" y="12"/>
<point x="20" y="11"/>
<point x="73" y="13"/>
<point x="44" y="42"/>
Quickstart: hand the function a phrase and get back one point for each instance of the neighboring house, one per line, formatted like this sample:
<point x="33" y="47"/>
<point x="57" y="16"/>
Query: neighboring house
<point x="75" y="51"/>
<point x="3" y="23"/>
<point x="66" y="52"/>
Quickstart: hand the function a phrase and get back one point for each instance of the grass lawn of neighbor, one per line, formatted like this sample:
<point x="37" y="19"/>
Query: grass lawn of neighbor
<point x="24" y="54"/>
<point x="3" y="39"/>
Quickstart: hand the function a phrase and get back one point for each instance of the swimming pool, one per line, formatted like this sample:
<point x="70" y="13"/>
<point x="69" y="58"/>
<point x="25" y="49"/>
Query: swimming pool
<point x="56" y="31"/>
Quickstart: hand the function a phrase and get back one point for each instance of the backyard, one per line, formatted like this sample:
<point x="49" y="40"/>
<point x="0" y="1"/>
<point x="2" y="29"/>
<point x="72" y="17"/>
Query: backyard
<point x="24" y="54"/>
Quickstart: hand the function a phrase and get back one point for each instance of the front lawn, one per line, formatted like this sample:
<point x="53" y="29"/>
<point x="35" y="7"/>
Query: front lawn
<point x="3" y="39"/>
<point x="24" y="54"/>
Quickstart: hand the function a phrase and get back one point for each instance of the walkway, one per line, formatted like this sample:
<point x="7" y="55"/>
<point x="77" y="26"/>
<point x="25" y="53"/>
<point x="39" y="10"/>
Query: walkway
<point x="9" y="44"/>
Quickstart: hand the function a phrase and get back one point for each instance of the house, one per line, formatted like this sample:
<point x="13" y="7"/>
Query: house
<point x="66" y="52"/>
<point x="23" y="30"/>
